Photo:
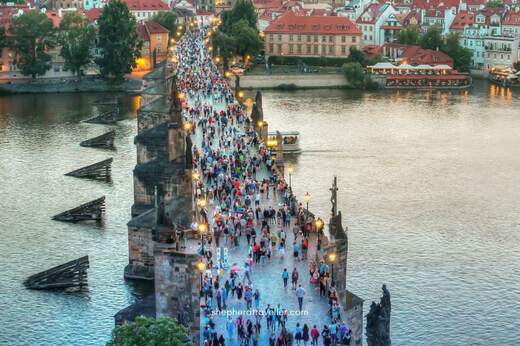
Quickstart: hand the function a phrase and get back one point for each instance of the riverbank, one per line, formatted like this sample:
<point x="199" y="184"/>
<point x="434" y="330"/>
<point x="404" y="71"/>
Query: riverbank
<point x="68" y="85"/>
<point x="294" y="81"/>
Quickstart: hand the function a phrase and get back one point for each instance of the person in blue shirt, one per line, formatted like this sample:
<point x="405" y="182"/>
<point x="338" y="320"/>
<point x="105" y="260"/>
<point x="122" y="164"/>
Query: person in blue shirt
<point x="285" y="277"/>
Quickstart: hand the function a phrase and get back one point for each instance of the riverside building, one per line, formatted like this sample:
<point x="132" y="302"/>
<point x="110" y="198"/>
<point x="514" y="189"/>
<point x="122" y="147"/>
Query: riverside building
<point x="313" y="36"/>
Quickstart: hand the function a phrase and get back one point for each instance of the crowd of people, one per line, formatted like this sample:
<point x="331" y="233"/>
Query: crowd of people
<point x="244" y="204"/>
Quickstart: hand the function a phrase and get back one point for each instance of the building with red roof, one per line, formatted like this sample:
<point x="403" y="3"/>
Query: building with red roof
<point x="415" y="55"/>
<point x="146" y="9"/>
<point x="462" y="20"/>
<point x="371" y="20"/>
<point x="511" y="23"/>
<point x="155" y="45"/>
<point x="327" y="36"/>
<point x="93" y="14"/>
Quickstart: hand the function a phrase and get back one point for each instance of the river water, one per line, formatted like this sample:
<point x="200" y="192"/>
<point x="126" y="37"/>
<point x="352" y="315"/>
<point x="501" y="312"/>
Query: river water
<point x="429" y="185"/>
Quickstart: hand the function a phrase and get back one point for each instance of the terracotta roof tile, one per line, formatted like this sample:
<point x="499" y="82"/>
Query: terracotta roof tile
<point x="146" y="5"/>
<point x="463" y="19"/>
<point x="511" y="18"/>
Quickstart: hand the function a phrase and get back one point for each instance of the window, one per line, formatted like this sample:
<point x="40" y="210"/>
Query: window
<point x="315" y="38"/>
<point x="343" y="39"/>
<point x="271" y="37"/>
<point x="291" y="48"/>
<point x="343" y="49"/>
<point x="324" y="39"/>
<point x="370" y="37"/>
<point x="371" y="28"/>
<point x="291" y="37"/>
<point x="331" y="38"/>
<point x="331" y="50"/>
<point x="159" y="38"/>
<point x="323" y="50"/>
<point x="308" y="38"/>
<point x="279" y="37"/>
<point x="299" y="38"/>
<point x="308" y="49"/>
<point x="271" y="47"/>
<point x="279" y="48"/>
<point x="299" y="48"/>
<point x="365" y="37"/>
<point x="353" y="39"/>
<point x="316" y="50"/>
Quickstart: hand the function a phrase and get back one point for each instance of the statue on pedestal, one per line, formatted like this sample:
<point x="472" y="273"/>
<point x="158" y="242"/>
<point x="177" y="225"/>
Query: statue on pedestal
<point x="378" y="321"/>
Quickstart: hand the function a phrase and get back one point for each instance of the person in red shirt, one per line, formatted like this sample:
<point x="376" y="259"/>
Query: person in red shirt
<point x="315" y="334"/>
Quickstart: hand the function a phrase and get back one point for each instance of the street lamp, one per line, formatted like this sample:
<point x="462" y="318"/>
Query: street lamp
<point x="202" y="229"/>
<point x="290" y="170"/>
<point x="332" y="259"/>
<point x="195" y="175"/>
<point x="307" y="198"/>
<point x="240" y="94"/>
<point x="187" y="126"/>
<point x="201" y="266"/>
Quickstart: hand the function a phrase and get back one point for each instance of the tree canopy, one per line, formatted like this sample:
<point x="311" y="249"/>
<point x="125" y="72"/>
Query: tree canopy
<point x="431" y="39"/>
<point x="461" y="56"/>
<point x="76" y="38"/>
<point x="118" y="40"/>
<point x="409" y="35"/>
<point x="166" y="19"/>
<point x="238" y="33"/>
<point x="495" y="4"/>
<point x="150" y="331"/>
<point x="354" y="73"/>
<point x="32" y="35"/>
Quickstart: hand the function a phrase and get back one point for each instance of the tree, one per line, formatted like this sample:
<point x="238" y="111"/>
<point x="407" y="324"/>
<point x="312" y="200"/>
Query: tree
<point x="118" y="40"/>
<point x="431" y="39"/>
<point x="461" y="56"/>
<point x="225" y="46"/>
<point x="409" y="35"/>
<point x="3" y="38"/>
<point x="247" y="40"/>
<point x="494" y="4"/>
<point x="356" y="56"/>
<point x="516" y="66"/>
<point x="166" y="19"/>
<point x="76" y="38"/>
<point x="242" y="10"/>
<point x="354" y="73"/>
<point x="32" y="35"/>
<point x="150" y="331"/>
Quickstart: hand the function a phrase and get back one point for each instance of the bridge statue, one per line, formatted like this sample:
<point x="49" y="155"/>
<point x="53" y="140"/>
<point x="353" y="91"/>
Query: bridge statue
<point x="378" y="321"/>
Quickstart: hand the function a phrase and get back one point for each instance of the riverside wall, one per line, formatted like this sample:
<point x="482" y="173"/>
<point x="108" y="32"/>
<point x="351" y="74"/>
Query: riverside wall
<point x="301" y="81"/>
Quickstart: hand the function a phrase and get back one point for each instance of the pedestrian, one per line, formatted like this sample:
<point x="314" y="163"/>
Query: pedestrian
<point x="305" y="334"/>
<point x="300" y="292"/>
<point x="294" y="278"/>
<point x="315" y="334"/>
<point x="298" y="334"/>
<point x="229" y="327"/>
<point x="285" y="277"/>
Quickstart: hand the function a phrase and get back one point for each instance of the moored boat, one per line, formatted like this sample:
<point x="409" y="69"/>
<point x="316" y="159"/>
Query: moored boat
<point x="290" y="141"/>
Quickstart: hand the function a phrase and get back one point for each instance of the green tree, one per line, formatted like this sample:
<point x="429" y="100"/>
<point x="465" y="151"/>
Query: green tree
<point x="494" y="4"/>
<point x="516" y="66"/>
<point x="354" y="73"/>
<point x="356" y="56"/>
<point x="3" y="38"/>
<point x="76" y="38"/>
<point x="166" y="19"/>
<point x="150" y="331"/>
<point x="247" y="40"/>
<point x="461" y="56"/>
<point x="225" y="45"/>
<point x="118" y="40"/>
<point x="431" y="39"/>
<point x="32" y="35"/>
<point x="242" y="10"/>
<point x="409" y="35"/>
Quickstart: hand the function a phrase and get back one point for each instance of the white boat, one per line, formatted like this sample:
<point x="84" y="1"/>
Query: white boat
<point x="290" y="141"/>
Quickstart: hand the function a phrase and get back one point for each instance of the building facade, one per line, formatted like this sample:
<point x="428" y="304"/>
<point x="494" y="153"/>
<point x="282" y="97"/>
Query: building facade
<point x="313" y="36"/>
<point x="500" y="51"/>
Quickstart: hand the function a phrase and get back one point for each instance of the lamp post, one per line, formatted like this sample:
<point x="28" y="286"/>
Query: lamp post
<point x="307" y="198"/>
<point x="332" y="259"/>
<point x="290" y="170"/>
<point x="202" y="229"/>
<point x="201" y="266"/>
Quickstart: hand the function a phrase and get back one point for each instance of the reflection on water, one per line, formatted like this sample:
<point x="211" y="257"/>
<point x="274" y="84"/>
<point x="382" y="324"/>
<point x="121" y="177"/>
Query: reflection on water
<point x="39" y="142"/>
<point x="429" y="188"/>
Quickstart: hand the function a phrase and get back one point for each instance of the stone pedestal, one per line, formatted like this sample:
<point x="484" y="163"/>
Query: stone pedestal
<point x="177" y="288"/>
